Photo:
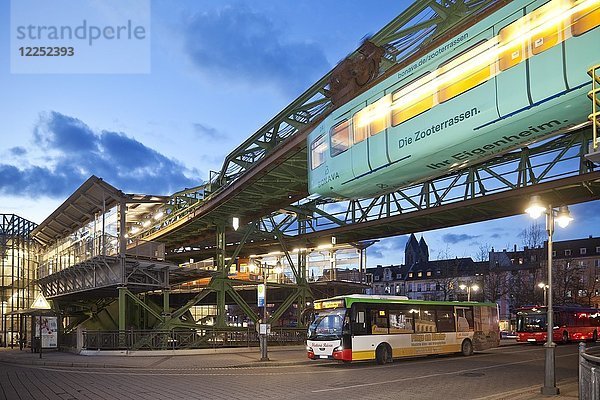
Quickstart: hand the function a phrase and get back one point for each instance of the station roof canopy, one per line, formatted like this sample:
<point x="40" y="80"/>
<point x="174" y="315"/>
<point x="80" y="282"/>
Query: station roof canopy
<point x="93" y="196"/>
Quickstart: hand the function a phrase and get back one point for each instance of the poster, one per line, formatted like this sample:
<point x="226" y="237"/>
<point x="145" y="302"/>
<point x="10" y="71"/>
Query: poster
<point x="49" y="327"/>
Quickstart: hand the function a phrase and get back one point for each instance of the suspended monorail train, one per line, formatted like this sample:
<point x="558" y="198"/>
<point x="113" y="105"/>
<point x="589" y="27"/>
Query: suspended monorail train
<point x="515" y="77"/>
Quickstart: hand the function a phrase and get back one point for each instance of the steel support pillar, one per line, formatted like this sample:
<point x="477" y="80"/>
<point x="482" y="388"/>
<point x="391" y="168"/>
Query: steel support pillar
<point x="221" y="276"/>
<point x="122" y="308"/>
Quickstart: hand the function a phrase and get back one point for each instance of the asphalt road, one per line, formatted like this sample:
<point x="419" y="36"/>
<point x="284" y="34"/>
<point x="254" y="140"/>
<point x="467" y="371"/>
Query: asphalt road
<point x="501" y="370"/>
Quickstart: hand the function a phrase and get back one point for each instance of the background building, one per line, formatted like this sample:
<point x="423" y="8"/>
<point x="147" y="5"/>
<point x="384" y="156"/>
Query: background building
<point x="17" y="274"/>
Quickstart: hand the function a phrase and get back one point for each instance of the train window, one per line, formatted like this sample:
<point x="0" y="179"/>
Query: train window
<point x="468" y="69"/>
<point x="340" y="138"/>
<point x="586" y="18"/>
<point x="514" y="44"/>
<point x="412" y="99"/>
<point x="547" y="25"/>
<point x="372" y="119"/>
<point x="318" y="149"/>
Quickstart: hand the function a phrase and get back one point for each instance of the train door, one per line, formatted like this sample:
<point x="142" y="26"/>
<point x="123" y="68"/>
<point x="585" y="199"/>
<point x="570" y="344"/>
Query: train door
<point x="582" y="50"/>
<point x="360" y="146"/>
<point x="378" y="116"/>
<point x="546" y="68"/>
<point x="511" y="82"/>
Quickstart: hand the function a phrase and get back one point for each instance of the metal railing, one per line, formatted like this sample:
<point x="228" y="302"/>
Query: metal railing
<point x="589" y="375"/>
<point x="188" y="339"/>
<point x="594" y="96"/>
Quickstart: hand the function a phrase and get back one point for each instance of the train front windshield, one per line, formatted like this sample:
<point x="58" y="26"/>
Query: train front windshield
<point x="531" y="322"/>
<point x="327" y="325"/>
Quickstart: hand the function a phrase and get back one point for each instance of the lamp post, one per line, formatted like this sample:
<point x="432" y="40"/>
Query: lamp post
<point x="543" y="286"/>
<point x="263" y="329"/>
<point x="474" y="287"/>
<point x="563" y="217"/>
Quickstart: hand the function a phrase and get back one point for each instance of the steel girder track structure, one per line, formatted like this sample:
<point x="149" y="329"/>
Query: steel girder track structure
<point x="557" y="169"/>
<point x="268" y="173"/>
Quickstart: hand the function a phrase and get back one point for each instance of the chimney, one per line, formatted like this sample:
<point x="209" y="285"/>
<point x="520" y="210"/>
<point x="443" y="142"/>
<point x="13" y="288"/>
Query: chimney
<point x="515" y="250"/>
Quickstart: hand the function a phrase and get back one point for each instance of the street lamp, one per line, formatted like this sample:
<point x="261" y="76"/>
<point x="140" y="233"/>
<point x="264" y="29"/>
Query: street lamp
<point x="535" y="209"/>
<point x="543" y="286"/>
<point x="263" y="330"/>
<point x="474" y="287"/>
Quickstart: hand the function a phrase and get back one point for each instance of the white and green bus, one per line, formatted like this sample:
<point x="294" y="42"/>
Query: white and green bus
<point x="366" y="327"/>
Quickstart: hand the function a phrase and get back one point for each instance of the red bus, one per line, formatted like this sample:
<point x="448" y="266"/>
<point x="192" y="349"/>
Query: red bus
<point x="570" y="323"/>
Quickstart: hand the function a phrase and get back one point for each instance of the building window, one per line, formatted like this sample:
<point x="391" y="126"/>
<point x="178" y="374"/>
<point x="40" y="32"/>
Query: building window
<point x="582" y="251"/>
<point x="419" y="274"/>
<point x="553" y="253"/>
<point x="428" y="273"/>
<point x="410" y="274"/>
<point x="418" y="287"/>
<point x="568" y="252"/>
<point x="398" y="276"/>
<point x="376" y="277"/>
<point x="597" y="263"/>
<point x="410" y="287"/>
<point x="597" y="249"/>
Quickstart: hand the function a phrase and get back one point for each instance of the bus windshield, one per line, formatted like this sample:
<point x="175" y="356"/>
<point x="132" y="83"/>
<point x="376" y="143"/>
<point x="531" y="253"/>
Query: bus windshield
<point x="531" y="322"/>
<point x="327" y="325"/>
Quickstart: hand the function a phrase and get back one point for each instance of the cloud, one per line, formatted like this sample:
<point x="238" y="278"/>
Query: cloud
<point x="73" y="152"/>
<point x="497" y="235"/>
<point x="18" y="151"/>
<point x="208" y="132"/>
<point x="389" y="249"/>
<point x="453" y="238"/>
<point x="241" y="45"/>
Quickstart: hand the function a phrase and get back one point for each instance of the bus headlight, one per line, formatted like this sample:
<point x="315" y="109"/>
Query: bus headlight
<point x="309" y="349"/>
<point x="339" y="348"/>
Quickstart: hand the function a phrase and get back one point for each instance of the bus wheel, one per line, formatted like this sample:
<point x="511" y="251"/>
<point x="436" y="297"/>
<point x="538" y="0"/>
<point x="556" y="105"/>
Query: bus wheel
<point x="383" y="354"/>
<point x="467" y="348"/>
<point x="565" y="337"/>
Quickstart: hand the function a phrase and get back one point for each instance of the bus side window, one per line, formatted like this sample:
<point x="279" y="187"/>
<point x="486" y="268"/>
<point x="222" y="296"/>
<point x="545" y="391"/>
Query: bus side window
<point x="585" y="19"/>
<point x="468" y="69"/>
<point x="401" y="321"/>
<point x="318" y="148"/>
<point x="412" y="99"/>
<point x="359" y="322"/>
<point x="445" y="319"/>
<point x="379" y="322"/>
<point x="548" y="33"/>
<point x="340" y="138"/>
<point x="515" y="49"/>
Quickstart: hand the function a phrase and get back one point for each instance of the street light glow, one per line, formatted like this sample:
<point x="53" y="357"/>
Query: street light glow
<point x="564" y="217"/>
<point x="535" y="208"/>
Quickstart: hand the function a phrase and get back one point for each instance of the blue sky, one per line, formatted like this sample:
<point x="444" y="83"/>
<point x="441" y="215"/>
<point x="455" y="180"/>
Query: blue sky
<point x="218" y="71"/>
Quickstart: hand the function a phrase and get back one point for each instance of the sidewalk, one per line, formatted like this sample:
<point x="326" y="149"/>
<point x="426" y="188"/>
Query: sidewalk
<point x="224" y="358"/>
<point x="178" y="359"/>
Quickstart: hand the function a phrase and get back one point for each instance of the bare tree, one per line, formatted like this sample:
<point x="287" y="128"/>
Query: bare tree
<point x="590" y="283"/>
<point x="483" y="253"/>
<point x="566" y="282"/>
<point x="495" y="285"/>
<point x="533" y="236"/>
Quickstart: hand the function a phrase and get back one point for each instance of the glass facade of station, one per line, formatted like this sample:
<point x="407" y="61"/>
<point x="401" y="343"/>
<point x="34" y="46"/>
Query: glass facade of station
<point x="17" y="274"/>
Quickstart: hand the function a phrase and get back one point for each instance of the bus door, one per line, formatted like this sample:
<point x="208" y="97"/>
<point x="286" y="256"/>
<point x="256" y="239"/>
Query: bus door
<point x="511" y="80"/>
<point x="546" y="67"/>
<point x="464" y="319"/>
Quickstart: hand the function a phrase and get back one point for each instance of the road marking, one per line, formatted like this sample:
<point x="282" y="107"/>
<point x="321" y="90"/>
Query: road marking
<point x="433" y="375"/>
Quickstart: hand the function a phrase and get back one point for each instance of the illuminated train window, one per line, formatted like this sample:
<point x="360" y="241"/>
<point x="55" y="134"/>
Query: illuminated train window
<point x="412" y="99"/>
<point x="586" y="18"/>
<point x="318" y="149"/>
<point x="547" y="26"/>
<point x="340" y="138"/>
<point x="468" y="69"/>
<point x="515" y="46"/>
<point x="372" y="119"/>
